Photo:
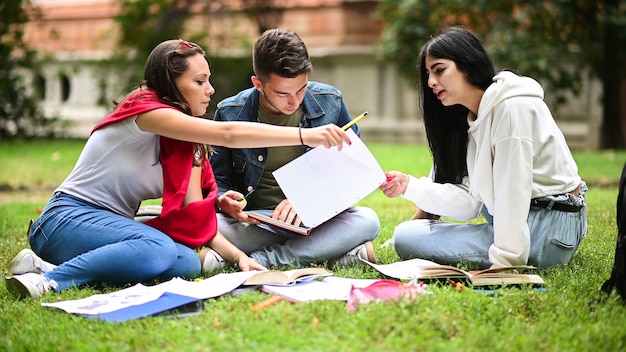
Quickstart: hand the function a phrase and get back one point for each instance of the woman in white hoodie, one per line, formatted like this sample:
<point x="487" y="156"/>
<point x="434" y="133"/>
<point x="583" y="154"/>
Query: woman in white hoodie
<point x="497" y="151"/>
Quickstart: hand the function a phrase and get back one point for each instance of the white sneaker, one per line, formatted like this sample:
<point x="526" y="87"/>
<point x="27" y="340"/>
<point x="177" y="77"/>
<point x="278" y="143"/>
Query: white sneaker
<point x="211" y="260"/>
<point x="364" y="251"/>
<point x="30" y="285"/>
<point x="26" y="261"/>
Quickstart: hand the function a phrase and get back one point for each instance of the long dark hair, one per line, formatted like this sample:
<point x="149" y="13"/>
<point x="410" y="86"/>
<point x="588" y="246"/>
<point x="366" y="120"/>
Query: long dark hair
<point x="617" y="280"/>
<point x="446" y="127"/>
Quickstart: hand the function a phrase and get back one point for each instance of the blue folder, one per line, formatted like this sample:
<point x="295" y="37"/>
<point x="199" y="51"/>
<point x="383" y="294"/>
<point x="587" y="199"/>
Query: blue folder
<point x="170" y="304"/>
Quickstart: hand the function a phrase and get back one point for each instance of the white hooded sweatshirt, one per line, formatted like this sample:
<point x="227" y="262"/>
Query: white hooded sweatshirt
<point x="515" y="152"/>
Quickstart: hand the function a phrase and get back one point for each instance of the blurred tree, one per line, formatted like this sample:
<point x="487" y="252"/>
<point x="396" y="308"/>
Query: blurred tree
<point x="267" y="14"/>
<point x="20" y="114"/>
<point x="555" y="41"/>
<point x="145" y="23"/>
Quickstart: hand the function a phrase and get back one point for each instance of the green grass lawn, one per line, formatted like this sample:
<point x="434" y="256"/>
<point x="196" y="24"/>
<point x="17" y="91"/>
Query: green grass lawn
<point x="570" y="316"/>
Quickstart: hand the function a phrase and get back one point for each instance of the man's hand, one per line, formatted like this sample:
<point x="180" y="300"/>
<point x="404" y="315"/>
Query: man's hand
<point x="233" y="204"/>
<point x="286" y="213"/>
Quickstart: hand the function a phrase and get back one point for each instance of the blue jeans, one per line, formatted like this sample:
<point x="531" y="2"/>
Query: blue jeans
<point x="94" y="245"/>
<point x="271" y="246"/>
<point x="554" y="237"/>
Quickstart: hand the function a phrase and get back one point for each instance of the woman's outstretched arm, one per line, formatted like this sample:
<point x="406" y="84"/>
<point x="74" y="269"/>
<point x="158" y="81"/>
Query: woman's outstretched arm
<point x="177" y="125"/>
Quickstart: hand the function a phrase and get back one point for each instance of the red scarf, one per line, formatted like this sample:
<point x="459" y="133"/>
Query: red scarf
<point x="196" y="223"/>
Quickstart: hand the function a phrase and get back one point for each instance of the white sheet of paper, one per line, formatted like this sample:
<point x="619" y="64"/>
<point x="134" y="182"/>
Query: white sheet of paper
<point x="109" y="302"/>
<point x="211" y="287"/>
<point x="214" y="286"/>
<point x="330" y="288"/>
<point x="403" y="270"/>
<point x="325" y="181"/>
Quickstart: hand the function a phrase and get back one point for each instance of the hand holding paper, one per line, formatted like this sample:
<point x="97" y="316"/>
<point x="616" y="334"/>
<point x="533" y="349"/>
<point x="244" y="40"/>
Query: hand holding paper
<point x="395" y="184"/>
<point x="339" y="178"/>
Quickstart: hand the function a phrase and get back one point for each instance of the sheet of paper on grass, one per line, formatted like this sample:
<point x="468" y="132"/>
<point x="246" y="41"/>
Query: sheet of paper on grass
<point x="330" y="288"/>
<point x="139" y="294"/>
<point x="326" y="181"/>
<point x="109" y="302"/>
<point x="404" y="269"/>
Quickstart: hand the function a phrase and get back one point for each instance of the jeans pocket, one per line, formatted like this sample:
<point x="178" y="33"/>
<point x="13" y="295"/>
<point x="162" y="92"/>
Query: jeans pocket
<point x="555" y="238"/>
<point x="565" y="242"/>
<point x="562" y="244"/>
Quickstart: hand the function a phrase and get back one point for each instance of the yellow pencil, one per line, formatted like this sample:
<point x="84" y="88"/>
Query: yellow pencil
<point x="355" y="120"/>
<point x="246" y="196"/>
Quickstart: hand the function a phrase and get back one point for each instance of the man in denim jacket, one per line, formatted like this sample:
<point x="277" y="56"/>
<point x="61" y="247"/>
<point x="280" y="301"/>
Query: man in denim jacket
<point x="282" y="96"/>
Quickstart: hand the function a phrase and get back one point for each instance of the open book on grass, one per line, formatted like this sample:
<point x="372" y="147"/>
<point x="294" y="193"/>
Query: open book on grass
<point x="305" y="231"/>
<point x="422" y="269"/>
<point x="288" y="277"/>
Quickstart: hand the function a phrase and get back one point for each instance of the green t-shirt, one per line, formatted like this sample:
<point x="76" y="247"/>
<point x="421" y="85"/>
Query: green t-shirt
<point x="267" y="194"/>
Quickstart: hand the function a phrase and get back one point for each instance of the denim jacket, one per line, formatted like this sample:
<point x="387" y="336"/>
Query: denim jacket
<point x="241" y="169"/>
